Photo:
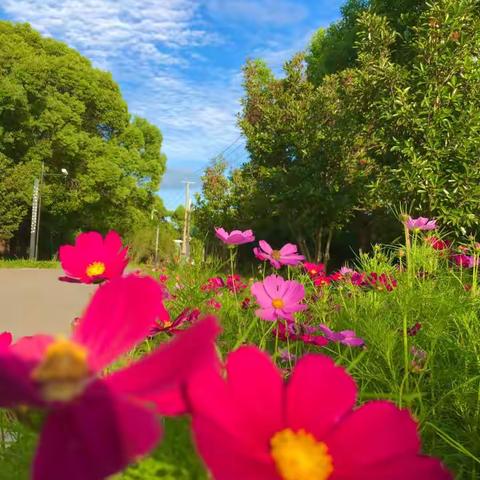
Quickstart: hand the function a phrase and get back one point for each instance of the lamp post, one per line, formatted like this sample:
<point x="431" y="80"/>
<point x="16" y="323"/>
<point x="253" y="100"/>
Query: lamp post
<point x="36" y="209"/>
<point x="157" y="235"/>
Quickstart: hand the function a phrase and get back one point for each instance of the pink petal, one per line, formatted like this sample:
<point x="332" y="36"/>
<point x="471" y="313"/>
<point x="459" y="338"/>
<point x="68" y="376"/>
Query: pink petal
<point x="269" y="314"/>
<point x="288" y="249"/>
<point x="292" y="259"/>
<point x="94" y="437"/>
<point x="408" y="467"/>
<point x="16" y="385"/>
<point x="233" y="446"/>
<point x="160" y="377"/>
<point x="120" y="315"/>
<point x="112" y="242"/>
<point x="376" y="432"/>
<point x="32" y="349"/>
<point x="275" y="263"/>
<point x="265" y="247"/>
<point x="5" y="339"/>
<point x="258" y="291"/>
<point x="223" y="456"/>
<point x="295" y="292"/>
<point x="89" y="241"/>
<point x="71" y="262"/>
<point x="272" y="285"/>
<point x="319" y="394"/>
<point x="257" y="386"/>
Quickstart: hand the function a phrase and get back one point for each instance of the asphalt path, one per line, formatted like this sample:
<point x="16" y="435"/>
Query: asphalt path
<point x="35" y="301"/>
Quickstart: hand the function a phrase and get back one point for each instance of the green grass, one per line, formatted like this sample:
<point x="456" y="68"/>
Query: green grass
<point x="25" y="263"/>
<point x="443" y="393"/>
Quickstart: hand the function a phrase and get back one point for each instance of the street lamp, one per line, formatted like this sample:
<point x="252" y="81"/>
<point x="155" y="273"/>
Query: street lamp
<point x="157" y="235"/>
<point x="36" y="209"/>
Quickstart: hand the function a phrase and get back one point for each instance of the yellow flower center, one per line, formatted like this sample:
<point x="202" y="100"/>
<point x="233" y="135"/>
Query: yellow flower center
<point x="313" y="271"/>
<point x="95" y="269"/>
<point x="63" y="372"/>
<point x="277" y="303"/>
<point x="276" y="254"/>
<point x="298" y="456"/>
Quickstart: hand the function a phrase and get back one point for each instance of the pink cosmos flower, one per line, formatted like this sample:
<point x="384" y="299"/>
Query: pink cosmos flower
<point x="5" y="340"/>
<point x="302" y="333"/>
<point x="278" y="298"/>
<point x="234" y="283"/>
<point x="314" y="269"/>
<point x="212" y="303"/>
<point x="250" y="424"/>
<point x="344" y="271"/>
<point x="213" y="284"/>
<point x="287" y="255"/>
<point x="421" y="223"/>
<point x="346" y="337"/>
<point x="322" y="280"/>
<point x="93" y="259"/>
<point x="96" y="425"/>
<point x="236" y="237"/>
<point x="186" y="316"/>
<point x="464" y="261"/>
<point x="438" y="243"/>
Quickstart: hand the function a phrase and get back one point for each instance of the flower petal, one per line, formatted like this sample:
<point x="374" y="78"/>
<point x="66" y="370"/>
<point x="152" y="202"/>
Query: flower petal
<point x="161" y="376"/>
<point x="5" y="339"/>
<point x="260" y="294"/>
<point x="319" y="394"/>
<point x="376" y="432"/>
<point x="232" y="421"/>
<point x="265" y="247"/>
<point x="409" y="467"/>
<point x="32" y="348"/>
<point x="16" y="385"/>
<point x="120" y="315"/>
<point x="94" y="437"/>
<point x="71" y="262"/>
<point x="288" y="249"/>
<point x="257" y="386"/>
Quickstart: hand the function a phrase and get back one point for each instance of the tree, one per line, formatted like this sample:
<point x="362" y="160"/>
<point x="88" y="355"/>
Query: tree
<point x="56" y="109"/>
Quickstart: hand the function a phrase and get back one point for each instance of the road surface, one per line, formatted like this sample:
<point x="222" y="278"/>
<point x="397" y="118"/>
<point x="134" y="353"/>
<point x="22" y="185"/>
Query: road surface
<point x="35" y="301"/>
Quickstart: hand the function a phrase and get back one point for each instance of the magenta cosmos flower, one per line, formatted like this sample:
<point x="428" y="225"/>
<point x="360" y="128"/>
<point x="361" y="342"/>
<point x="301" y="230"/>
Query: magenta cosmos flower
<point x="93" y="259"/>
<point x="96" y="425"/>
<point x="287" y="255"/>
<point x="421" y="223"/>
<point x="346" y="337"/>
<point x="249" y="424"/>
<point x="236" y="237"/>
<point x="278" y="298"/>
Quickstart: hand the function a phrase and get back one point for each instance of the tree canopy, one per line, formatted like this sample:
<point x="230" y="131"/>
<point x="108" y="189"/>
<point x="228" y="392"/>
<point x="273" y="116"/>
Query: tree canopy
<point x="383" y="110"/>
<point x="57" y="109"/>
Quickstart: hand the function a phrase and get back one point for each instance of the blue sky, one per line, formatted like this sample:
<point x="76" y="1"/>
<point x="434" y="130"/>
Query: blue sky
<point x="178" y="62"/>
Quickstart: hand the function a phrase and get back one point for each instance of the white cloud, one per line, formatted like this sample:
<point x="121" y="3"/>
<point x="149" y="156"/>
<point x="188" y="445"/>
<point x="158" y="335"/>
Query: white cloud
<point x="154" y="50"/>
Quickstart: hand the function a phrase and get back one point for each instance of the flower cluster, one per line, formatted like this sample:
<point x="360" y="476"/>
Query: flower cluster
<point x="248" y="422"/>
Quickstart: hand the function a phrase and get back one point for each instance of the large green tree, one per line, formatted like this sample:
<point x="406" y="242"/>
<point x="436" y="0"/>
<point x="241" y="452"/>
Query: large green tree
<point x="56" y="109"/>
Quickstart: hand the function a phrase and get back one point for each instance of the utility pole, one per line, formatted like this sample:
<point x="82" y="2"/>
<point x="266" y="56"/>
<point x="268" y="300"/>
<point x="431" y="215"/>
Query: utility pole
<point x="157" y="235"/>
<point x="34" y="224"/>
<point x="37" y="207"/>
<point x="186" y="227"/>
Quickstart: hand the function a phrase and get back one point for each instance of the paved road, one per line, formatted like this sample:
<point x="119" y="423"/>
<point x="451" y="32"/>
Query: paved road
<point x="34" y="301"/>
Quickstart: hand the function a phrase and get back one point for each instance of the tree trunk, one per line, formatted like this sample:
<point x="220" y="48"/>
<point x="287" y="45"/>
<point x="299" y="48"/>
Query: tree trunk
<point x="318" y="245"/>
<point x="326" y="255"/>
